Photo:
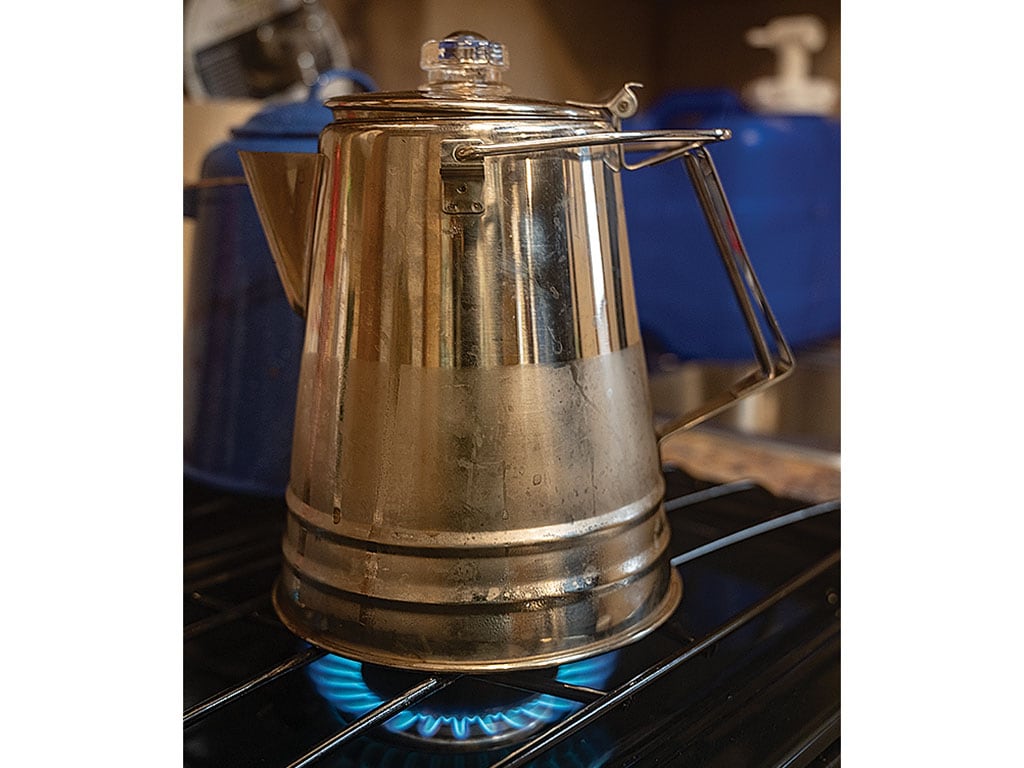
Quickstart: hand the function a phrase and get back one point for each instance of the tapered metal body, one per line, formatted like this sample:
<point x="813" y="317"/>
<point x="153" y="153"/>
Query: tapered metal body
<point x="475" y="479"/>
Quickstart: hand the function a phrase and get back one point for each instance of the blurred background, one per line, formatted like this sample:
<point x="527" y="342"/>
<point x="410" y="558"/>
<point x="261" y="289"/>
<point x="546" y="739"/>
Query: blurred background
<point x="569" y="49"/>
<point x="767" y="69"/>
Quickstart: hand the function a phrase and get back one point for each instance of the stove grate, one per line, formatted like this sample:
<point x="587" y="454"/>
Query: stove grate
<point x="590" y="704"/>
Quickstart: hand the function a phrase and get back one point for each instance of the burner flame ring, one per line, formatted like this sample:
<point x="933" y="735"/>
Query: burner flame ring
<point x="341" y="682"/>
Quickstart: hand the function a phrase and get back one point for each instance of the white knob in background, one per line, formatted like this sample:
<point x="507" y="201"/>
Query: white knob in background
<point x="791" y="90"/>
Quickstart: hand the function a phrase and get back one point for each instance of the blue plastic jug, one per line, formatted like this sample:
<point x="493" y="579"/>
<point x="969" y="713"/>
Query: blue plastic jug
<point x="782" y="173"/>
<point x="243" y="341"/>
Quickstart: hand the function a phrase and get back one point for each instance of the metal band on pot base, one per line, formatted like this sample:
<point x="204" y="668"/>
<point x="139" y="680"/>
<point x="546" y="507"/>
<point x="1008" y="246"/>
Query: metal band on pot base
<point x="484" y="636"/>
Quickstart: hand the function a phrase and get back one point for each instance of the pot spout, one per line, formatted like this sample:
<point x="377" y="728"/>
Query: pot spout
<point x="284" y="188"/>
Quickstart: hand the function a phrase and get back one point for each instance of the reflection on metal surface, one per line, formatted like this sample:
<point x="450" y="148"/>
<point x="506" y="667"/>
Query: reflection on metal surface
<point x="289" y="188"/>
<point x="480" y="518"/>
<point x="475" y="481"/>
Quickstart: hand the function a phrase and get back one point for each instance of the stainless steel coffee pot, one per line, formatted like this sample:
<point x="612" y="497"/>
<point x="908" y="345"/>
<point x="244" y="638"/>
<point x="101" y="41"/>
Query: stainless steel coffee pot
<point x="475" y="479"/>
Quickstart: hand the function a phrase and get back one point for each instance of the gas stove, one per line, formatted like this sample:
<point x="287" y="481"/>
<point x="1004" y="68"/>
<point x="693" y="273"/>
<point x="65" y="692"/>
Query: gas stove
<point x="745" y="673"/>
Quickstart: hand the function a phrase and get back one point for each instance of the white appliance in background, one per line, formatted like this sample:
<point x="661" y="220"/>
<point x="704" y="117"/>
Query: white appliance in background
<point x="241" y="54"/>
<point x="258" y="49"/>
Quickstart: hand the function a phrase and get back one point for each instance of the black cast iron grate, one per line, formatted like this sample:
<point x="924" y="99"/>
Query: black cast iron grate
<point x="751" y="657"/>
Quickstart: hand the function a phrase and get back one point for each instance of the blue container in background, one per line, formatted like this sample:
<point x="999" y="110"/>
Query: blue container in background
<point x="781" y="175"/>
<point x="243" y="341"/>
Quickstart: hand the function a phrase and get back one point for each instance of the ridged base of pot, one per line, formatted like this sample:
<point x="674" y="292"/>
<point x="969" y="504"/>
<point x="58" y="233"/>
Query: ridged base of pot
<point x="527" y="598"/>
<point x="476" y="638"/>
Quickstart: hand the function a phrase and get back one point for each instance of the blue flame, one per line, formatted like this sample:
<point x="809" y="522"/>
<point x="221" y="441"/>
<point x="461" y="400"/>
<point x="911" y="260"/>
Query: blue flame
<point x="340" y="681"/>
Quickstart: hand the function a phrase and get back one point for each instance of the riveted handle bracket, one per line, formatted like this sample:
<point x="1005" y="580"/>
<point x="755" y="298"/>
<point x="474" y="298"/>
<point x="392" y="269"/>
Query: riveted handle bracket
<point x="462" y="182"/>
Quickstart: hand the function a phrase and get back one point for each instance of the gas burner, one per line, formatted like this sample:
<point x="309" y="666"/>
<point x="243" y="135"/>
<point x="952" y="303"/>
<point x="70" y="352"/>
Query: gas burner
<point x="470" y="714"/>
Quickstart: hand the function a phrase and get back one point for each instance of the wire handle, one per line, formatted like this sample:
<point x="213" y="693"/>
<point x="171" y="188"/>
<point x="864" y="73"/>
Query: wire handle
<point x="676" y="142"/>
<point x="753" y="303"/>
<point x="689" y="146"/>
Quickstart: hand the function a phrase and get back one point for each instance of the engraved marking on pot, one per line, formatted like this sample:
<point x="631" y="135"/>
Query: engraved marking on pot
<point x="504" y="487"/>
<point x="575" y="373"/>
<point x="556" y="343"/>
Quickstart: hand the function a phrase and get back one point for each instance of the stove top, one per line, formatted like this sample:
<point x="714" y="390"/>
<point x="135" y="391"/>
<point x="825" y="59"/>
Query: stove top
<point x="746" y="672"/>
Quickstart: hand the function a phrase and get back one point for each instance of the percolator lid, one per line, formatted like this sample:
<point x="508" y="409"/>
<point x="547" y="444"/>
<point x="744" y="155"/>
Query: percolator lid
<point x="464" y="79"/>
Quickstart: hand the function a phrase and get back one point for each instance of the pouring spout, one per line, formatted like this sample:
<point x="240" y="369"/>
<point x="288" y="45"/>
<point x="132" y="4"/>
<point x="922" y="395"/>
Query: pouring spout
<point x="284" y="188"/>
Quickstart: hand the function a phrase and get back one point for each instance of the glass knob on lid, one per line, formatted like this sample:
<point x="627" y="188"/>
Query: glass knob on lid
<point x="464" y="62"/>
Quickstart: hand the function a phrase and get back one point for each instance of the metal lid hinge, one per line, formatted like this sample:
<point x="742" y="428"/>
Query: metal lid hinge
<point x="462" y="181"/>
